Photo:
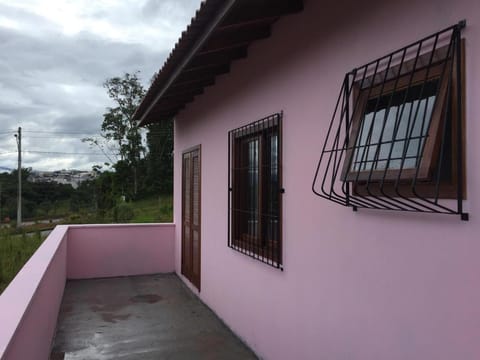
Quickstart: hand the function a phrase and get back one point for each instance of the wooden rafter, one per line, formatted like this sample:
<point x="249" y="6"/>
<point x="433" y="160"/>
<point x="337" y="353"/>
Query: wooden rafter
<point x="191" y="67"/>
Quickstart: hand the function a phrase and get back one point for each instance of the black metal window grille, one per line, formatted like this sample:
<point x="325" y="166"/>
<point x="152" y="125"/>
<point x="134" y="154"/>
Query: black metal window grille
<point x="395" y="141"/>
<point x="255" y="188"/>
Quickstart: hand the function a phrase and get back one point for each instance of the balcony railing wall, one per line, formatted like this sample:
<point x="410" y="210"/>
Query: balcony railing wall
<point x="29" y="306"/>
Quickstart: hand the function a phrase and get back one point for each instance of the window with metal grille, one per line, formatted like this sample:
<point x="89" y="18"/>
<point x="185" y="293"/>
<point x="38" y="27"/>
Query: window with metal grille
<point x="396" y="140"/>
<point x="255" y="188"/>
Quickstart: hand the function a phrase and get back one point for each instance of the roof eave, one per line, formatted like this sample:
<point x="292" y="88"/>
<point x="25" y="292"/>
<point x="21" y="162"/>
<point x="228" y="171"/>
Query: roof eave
<point x="220" y="33"/>
<point x="201" y="41"/>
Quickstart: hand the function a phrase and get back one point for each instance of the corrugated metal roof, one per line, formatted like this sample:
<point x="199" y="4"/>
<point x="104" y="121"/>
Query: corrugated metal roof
<point x="219" y="33"/>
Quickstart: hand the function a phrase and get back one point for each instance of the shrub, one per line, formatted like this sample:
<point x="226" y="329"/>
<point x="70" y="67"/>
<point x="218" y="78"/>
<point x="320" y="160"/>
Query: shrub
<point x="123" y="212"/>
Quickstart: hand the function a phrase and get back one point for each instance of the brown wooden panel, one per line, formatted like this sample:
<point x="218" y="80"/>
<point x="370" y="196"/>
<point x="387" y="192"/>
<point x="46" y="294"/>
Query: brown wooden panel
<point x="227" y="38"/>
<point x="184" y="93"/>
<point x="196" y="217"/>
<point x="194" y="84"/>
<point x="254" y="10"/>
<point x="202" y="74"/>
<point x="220" y="57"/>
<point x="186" y="264"/>
<point x="191" y="215"/>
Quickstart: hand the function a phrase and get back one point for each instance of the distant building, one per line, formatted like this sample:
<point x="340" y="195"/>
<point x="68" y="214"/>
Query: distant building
<point x="72" y="177"/>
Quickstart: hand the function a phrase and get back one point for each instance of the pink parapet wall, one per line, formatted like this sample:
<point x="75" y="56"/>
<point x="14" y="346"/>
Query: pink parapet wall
<point x="96" y="251"/>
<point x="29" y="305"/>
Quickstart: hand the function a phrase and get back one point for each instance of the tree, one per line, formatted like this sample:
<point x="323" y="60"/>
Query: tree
<point x="118" y="126"/>
<point x="159" y="160"/>
<point x="104" y="193"/>
<point x="121" y="136"/>
<point x="39" y="198"/>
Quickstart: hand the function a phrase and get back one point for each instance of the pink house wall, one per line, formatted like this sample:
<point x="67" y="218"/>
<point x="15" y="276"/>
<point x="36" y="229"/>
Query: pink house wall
<point x="365" y="285"/>
<point x="96" y="251"/>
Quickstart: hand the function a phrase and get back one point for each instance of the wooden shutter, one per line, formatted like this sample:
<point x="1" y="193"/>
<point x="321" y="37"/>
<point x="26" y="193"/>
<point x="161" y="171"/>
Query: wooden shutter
<point x="191" y="215"/>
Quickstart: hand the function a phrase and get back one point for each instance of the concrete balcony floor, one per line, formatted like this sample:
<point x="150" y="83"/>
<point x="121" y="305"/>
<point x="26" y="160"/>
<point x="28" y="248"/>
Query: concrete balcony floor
<point x="141" y="317"/>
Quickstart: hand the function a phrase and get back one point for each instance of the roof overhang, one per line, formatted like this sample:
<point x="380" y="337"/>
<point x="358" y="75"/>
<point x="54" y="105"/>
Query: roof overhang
<point x="220" y="33"/>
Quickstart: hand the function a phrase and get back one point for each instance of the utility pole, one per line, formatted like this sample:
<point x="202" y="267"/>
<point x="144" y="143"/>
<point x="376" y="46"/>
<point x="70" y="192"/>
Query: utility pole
<point x="19" y="204"/>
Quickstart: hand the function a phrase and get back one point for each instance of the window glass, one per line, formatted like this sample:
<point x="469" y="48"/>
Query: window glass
<point x="255" y="205"/>
<point x="393" y="128"/>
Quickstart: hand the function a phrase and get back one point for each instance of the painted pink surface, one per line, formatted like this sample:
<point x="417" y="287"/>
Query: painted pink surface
<point x="29" y="306"/>
<point x="120" y="250"/>
<point x="365" y="285"/>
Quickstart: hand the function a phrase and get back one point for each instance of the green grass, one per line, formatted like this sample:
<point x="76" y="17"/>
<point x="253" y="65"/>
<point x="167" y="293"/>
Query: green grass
<point x="158" y="209"/>
<point x="15" y="250"/>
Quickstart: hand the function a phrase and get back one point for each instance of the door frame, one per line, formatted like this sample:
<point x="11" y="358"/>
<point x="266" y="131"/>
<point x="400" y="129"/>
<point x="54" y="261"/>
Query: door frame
<point x="194" y="281"/>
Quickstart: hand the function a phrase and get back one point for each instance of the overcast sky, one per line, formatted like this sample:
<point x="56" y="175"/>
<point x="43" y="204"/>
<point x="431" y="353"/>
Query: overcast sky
<point x="54" y="57"/>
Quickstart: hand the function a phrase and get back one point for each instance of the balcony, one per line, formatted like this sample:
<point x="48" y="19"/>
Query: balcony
<point x="109" y="292"/>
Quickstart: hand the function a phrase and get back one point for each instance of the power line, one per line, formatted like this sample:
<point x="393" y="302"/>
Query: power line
<point x="156" y="135"/>
<point x="54" y="152"/>
<point x="61" y="132"/>
<point x="62" y="153"/>
<point x="49" y="137"/>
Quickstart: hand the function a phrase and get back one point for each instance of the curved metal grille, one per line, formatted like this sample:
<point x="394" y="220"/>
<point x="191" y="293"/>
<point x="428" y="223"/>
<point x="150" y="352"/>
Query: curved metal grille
<point x="395" y="141"/>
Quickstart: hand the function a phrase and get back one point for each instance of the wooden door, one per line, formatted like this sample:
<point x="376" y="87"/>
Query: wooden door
<point x="191" y="215"/>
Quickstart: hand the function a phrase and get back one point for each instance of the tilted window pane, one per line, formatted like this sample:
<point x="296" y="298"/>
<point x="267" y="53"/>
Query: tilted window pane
<point x="394" y="128"/>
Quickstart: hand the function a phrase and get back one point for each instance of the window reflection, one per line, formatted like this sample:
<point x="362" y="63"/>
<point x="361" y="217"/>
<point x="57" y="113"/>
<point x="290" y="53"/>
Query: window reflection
<point x="394" y="129"/>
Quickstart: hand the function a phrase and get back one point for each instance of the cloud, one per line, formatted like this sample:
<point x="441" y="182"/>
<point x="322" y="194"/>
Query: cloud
<point x="57" y="54"/>
<point x="153" y="10"/>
